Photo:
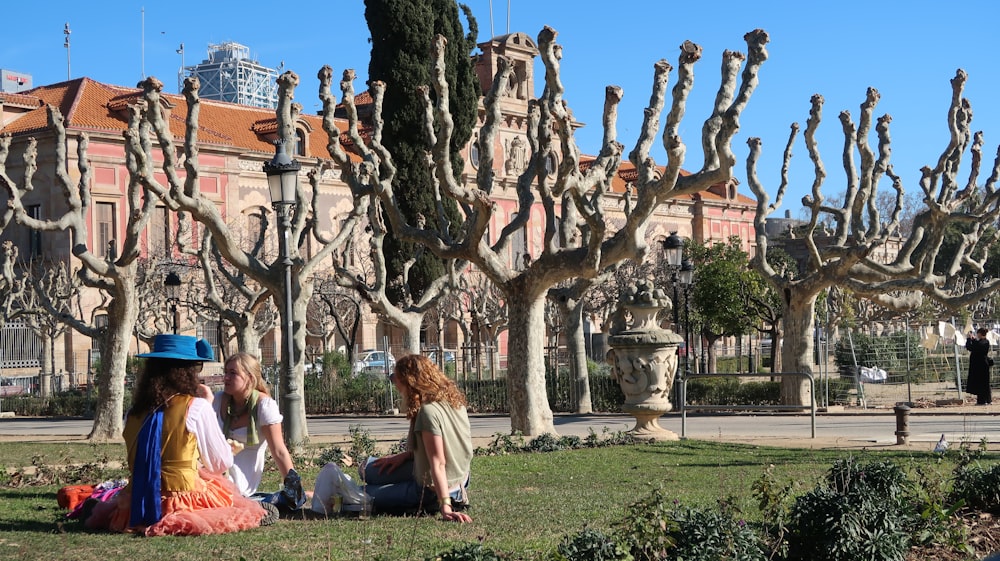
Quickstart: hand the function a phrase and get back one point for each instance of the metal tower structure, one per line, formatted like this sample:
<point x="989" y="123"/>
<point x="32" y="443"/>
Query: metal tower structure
<point x="229" y="74"/>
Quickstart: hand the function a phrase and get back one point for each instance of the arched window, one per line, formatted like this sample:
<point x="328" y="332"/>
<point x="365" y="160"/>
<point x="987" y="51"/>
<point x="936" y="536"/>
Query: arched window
<point x="474" y="153"/>
<point x="551" y="164"/>
<point x="300" y="142"/>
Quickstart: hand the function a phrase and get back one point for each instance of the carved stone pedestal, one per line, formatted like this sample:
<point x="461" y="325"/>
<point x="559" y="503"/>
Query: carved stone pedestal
<point x="643" y="357"/>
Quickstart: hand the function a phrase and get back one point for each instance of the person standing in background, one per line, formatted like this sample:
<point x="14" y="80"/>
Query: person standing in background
<point x="979" y="366"/>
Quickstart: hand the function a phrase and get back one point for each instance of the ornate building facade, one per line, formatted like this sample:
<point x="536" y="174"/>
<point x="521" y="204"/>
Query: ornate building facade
<point x="236" y="140"/>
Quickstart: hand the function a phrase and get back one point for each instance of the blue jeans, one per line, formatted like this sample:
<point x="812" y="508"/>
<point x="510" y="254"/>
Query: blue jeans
<point x="398" y="492"/>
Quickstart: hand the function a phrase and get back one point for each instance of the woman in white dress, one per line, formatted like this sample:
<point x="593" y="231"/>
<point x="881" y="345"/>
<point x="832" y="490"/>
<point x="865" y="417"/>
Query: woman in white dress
<point x="249" y="418"/>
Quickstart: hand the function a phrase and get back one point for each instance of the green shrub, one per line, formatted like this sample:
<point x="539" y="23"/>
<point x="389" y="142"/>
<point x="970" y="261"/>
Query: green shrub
<point x="466" y="552"/>
<point x="977" y="487"/>
<point x="591" y="545"/>
<point x="654" y="529"/>
<point x="708" y="535"/>
<point x="860" y="512"/>
<point x="730" y="391"/>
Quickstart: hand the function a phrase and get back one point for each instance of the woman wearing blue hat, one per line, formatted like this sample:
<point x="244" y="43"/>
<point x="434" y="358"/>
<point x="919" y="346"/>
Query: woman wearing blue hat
<point x="168" y="432"/>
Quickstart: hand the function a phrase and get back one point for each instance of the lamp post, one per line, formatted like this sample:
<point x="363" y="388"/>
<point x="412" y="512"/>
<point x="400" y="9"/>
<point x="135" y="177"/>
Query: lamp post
<point x="673" y="247"/>
<point x="685" y="277"/>
<point x="172" y="284"/>
<point x="283" y="180"/>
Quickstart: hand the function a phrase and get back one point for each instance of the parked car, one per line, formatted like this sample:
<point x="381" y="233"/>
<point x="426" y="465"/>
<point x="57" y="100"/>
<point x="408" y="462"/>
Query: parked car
<point x="9" y="388"/>
<point x="449" y="357"/>
<point x="374" y="362"/>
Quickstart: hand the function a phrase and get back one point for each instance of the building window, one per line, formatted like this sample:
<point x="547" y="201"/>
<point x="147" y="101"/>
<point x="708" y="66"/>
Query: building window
<point x="255" y="225"/>
<point x="474" y="153"/>
<point x="159" y="232"/>
<point x="105" y="220"/>
<point x="300" y="142"/>
<point x="34" y="236"/>
<point x="551" y="165"/>
<point x="519" y="246"/>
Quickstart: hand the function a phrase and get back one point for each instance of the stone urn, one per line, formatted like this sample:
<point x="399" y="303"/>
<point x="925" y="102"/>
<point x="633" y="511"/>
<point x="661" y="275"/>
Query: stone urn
<point x="643" y="358"/>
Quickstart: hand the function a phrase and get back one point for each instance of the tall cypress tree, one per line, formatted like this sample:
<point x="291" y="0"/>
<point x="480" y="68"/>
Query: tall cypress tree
<point x="401" y="35"/>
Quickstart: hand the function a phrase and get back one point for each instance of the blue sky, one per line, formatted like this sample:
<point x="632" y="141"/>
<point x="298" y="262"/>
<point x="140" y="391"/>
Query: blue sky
<point x="907" y="50"/>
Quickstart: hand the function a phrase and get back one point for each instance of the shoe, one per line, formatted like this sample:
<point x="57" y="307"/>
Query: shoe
<point x="270" y="514"/>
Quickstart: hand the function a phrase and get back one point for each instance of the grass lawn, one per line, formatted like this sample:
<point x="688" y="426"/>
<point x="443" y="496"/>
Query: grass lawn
<point x="522" y="504"/>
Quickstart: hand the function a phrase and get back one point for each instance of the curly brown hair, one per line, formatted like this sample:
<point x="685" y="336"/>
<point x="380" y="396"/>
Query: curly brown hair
<point x="425" y="383"/>
<point x="161" y="379"/>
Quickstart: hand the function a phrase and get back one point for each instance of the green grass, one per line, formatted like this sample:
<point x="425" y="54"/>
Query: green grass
<point x="522" y="504"/>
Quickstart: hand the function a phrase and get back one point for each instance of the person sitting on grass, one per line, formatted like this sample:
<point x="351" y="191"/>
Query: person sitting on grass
<point x="434" y="469"/>
<point x="168" y="432"/>
<point x="250" y="418"/>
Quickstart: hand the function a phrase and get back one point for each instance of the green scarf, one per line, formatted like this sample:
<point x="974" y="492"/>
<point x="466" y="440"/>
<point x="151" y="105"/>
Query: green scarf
<point x="253" y="435"/>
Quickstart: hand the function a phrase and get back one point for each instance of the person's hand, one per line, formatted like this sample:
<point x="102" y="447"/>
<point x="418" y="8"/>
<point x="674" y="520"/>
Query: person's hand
<point x="449" y="515"/>
<point x="204" y="392"/>
<point x="235" y="445"/>
<point x="389" y="464"/>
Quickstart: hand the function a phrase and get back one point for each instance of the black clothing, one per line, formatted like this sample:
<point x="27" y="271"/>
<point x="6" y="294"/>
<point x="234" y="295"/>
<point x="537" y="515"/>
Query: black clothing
<point x="979" y="370"/>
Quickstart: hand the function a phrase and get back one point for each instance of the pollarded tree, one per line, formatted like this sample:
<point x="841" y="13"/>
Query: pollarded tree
<point x="180" y="192"/>
<point x="115" y="274"/>
<point x="235" y="298"/>
<point x="850" y="257"/>
<point x="550" y="131"/>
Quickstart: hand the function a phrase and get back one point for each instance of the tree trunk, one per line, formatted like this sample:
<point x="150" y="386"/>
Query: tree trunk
<point x="122" y="315"/>
<point x="45" y="369"/>
<point x="576" y="346"/>
<point x="410" y="323"/>
<point x="712" y="353"/>
<point x="529" y="407"/>
<point x="797" y="349"/>
<point x="247" y="338"/>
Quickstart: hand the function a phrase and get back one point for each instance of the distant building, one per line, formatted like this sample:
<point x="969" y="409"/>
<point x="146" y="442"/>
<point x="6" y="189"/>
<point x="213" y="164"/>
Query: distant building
<point x="14" y="82"/>
<point x="229" y="74"/>
<point x="236" y="140"/>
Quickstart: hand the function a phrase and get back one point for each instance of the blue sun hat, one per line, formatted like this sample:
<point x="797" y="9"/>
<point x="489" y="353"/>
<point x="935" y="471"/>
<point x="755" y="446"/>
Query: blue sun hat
<point x="180" y="347"/>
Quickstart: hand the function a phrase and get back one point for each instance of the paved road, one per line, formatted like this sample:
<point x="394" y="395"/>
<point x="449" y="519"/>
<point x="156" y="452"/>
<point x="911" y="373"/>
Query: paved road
<point x="846" y="429"/>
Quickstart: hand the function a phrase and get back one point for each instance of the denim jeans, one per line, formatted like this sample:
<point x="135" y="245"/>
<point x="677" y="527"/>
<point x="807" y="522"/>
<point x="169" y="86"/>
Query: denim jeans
<point x="399" y="492"/>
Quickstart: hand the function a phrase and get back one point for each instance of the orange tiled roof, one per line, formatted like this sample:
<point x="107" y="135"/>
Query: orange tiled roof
<point x="93" y="106"/>
<point x="20" y="100"/>
<point x="626" y="174"/>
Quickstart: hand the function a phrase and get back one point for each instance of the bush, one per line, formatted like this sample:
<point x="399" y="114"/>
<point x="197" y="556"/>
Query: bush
<point x="730" y="391"/>
<point x="591" y="545"/>
<point x="654" y="529"/>
<point x="466" y="552"/>
<point x="977" y="487"/>
<point x="859" y="513"/>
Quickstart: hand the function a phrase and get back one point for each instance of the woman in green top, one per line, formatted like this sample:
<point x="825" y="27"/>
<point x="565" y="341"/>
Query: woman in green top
<point x="434" y="469"/>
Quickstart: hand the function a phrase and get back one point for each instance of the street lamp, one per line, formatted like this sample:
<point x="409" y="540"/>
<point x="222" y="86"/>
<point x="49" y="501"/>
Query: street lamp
<point x="172" y="284"/>
<point x="673" y="248"/>
<point x="283" y="180"/>
<point x="685" y="278"/>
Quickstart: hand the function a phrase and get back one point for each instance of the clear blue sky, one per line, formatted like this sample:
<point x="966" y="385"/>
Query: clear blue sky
<point x="907" y="50"/>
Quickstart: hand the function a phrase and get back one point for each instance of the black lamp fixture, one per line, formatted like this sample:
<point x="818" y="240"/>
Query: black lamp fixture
<point x="685" y="277"/>
<point x="673" y="247"/>
<point x="282" y="176"/>
<point x="172" y="285"/>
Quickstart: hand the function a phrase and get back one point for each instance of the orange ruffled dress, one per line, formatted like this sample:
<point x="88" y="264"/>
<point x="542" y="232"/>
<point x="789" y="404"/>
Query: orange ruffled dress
<point x="194" y="500"/>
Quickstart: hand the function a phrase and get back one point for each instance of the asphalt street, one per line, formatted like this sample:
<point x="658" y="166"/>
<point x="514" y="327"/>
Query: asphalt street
<point x="864" y="428"/>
